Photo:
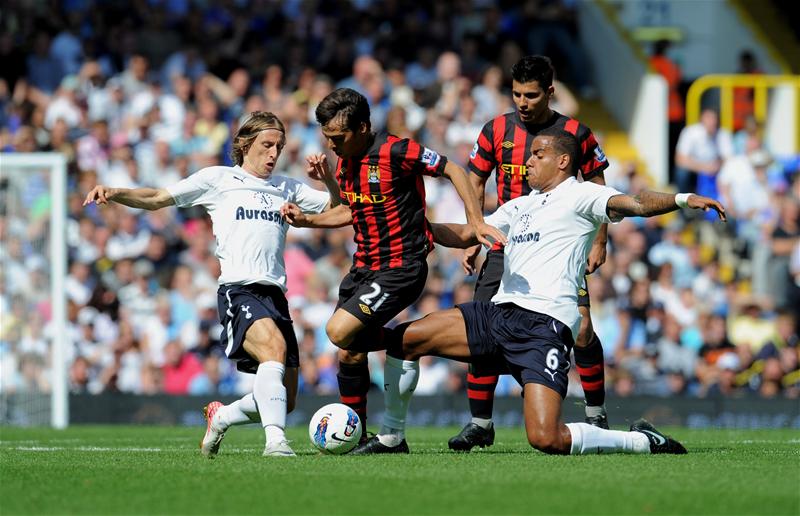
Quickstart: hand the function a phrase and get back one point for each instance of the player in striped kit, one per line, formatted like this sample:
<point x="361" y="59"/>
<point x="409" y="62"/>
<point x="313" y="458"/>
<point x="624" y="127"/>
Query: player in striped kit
<point x="504" y="146"/>
<point x="383" y="197"/>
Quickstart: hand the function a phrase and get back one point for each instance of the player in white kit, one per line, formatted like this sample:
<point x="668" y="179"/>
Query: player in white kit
<point x="244" y="203"/>
<point x="531" y="323"/>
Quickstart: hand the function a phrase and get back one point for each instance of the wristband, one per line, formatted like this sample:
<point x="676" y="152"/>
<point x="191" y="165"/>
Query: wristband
<point x="682" y="200"/>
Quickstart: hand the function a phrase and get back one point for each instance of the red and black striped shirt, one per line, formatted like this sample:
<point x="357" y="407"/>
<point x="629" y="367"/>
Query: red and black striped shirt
<point x="505" y="145"/>
<point x="386" y="195"/>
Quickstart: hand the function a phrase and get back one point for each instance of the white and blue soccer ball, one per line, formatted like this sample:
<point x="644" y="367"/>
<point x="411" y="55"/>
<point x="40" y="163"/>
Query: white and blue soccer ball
<point x="335" y="429"/>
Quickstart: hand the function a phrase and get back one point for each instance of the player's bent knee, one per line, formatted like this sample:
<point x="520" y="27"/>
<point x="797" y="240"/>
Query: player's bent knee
<point x="546" y="442"/>
<point x="338" y="336"/>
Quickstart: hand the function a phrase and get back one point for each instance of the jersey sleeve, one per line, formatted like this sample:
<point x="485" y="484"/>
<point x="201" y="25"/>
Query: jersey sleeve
<point x="591" y="201"/>
<point x="195" y="190"/>
<point x="593" y="159"/>
<point x="482" y="159"/>
<point x="418" y="159"/>
<point x="309" y="199"/>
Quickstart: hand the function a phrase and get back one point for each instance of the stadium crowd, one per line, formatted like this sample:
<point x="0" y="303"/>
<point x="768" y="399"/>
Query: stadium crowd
<point x="146" y="95"/>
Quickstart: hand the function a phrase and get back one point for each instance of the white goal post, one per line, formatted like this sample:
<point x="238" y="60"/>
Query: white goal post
<point x="15" y="169"/>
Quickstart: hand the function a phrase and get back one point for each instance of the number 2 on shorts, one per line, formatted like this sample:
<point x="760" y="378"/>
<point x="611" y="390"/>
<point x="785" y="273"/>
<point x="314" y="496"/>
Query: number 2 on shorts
<point x="370" y="296"/>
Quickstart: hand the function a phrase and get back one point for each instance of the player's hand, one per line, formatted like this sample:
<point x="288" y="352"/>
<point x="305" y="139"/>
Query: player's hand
<point x="318" y="167"/>
<point x="488" y="235"/>
<point x="294" y="215"/>
<point x="468" y="259"/>
<point x="99" y="195"/>
<point x="597" y="257"/>
<point x="698" y="202"/>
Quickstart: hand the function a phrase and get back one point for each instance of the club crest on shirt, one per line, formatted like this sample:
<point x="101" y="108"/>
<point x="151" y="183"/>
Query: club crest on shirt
<point x="374" y="174"/>
<point x="264" y="199"/>
<point x="524" y="222"/>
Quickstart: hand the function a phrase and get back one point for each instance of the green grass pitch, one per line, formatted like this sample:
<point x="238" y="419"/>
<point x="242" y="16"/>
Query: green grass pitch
<point x="159" y="470"/>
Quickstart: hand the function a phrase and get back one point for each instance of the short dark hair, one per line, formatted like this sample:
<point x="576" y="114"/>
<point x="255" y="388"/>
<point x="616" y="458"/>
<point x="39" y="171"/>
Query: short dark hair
<point x="347" y="104"/>
<point x="564" y="142"/>
<point x="534" y="68"/>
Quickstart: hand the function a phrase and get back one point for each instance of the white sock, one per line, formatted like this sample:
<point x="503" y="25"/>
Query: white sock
<point x="239" y="412"/>
<point x="270" y="397"/>
<point x="588" y="439"/>
<point x="400" y="378"/>
<point x="483" y="423"/>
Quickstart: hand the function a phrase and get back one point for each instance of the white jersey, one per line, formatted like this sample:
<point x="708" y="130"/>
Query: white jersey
<point x="250" y="232"/>
<point x="549" y="238"/>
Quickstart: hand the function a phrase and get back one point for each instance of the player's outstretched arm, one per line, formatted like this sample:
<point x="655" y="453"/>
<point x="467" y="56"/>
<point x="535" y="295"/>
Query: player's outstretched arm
<point x="144" y="198"/>
<point x="454" y="235"/>
<point x="483" y="231"/>
<point x="649" y="204"/>
<point x="337" y="217"/>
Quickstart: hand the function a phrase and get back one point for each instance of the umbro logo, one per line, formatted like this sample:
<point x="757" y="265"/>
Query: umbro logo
<point x="365" y="309"/>
<point x="507" y="144"/>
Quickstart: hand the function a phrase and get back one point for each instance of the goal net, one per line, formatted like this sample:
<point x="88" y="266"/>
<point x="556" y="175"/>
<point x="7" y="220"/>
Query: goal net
<point x="33" y="329"/>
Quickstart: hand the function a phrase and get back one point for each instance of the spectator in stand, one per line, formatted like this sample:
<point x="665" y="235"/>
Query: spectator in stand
<point x="701" y="150"/>
<point x="671" y="73"/>
<point x="743" y="105"/>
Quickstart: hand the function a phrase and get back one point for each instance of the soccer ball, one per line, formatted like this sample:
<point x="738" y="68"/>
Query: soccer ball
<point x="335" y="429"/>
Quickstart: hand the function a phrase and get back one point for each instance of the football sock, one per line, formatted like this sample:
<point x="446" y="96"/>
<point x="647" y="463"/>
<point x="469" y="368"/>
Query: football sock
<point x="588" y="439"/>
<point x="270" y="396"/>
<point x="240" y="412"/>
<point x="589" y="362"/>
<point x="400" y="378"/>
<point x="369" y="339"/>
<point x="483" y="423"/>
<point x="354" y="384"/>
<point x="480" y="392"/>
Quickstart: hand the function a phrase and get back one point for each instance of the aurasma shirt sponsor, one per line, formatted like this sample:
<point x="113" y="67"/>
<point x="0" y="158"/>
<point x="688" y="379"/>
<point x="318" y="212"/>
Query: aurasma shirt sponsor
<point x="243" y="213"/>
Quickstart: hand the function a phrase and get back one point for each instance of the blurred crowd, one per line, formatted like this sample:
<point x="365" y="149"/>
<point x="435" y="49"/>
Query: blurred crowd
<point x="147" y="94"/>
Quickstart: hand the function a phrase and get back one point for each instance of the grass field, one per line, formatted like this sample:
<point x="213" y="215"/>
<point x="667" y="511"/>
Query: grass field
<point x="157" y="470"/>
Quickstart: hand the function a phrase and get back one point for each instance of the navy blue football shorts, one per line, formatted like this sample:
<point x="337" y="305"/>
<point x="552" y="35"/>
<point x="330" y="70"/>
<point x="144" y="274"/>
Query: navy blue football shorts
<point x="532" y="347"/>
<point x="240" y="306"/>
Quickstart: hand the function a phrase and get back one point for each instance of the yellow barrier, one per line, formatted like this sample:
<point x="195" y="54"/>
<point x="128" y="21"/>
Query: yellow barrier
<point x="726" y="83"/>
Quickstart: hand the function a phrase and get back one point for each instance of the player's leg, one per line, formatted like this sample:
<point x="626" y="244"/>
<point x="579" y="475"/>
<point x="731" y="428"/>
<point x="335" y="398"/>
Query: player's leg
<point x="547" y="433"/>
<point x="367" y="301"/>
<point x="353" y="375"/>
<point x="590" y="364"/>
<point x="443" y="334"/>
<point x="541" y="366"/>
<point x="481" y="379"/>
<point x="265" y="343"/>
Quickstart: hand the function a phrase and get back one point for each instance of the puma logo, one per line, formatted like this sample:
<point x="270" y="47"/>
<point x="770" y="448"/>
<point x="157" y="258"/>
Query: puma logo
<point x="246" y="310"/>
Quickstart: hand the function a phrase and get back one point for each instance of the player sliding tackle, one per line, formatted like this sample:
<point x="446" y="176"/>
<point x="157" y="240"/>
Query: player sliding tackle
<point x="531" y="323"/>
